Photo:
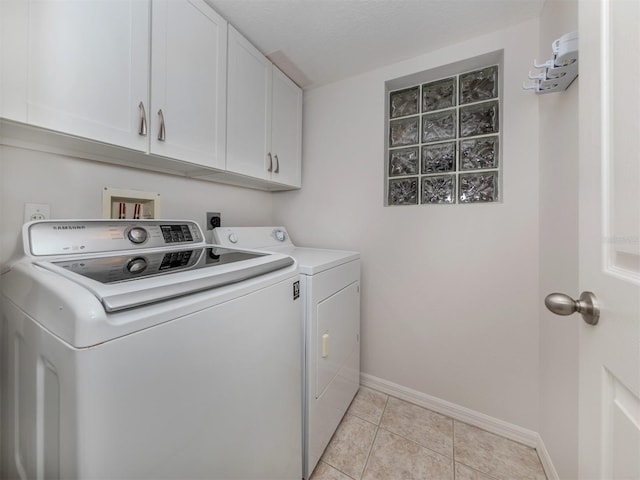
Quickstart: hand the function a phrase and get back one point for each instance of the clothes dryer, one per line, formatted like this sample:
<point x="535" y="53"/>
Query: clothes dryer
<point x="330" y="290"/>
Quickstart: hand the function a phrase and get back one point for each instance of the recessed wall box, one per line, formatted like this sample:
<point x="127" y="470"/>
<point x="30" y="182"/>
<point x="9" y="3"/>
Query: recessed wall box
<point x="120" y="203"/>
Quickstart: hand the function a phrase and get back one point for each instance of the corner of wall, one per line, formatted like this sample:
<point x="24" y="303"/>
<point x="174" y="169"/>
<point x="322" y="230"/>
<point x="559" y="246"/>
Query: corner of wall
<point x="558" y="246"/>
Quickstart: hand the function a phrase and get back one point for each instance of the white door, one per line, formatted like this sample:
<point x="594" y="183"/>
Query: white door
<point x="609" y="409"/>
<point x="188" y="82"/>
<point x="248" y="109"/>
<point x="88" y="68"/>
<point x="286" y="129"/>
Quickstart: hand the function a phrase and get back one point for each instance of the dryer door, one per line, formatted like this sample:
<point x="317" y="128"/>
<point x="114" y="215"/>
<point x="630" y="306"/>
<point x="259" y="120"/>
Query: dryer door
<point x="337" y="335"/>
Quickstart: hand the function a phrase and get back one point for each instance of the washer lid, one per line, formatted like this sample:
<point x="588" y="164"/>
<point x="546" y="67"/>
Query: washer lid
<point x="130" y="266"/>
<point x="133" y="279"/>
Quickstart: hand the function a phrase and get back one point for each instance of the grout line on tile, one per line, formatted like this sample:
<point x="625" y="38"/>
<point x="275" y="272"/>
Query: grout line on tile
<point x="384" y="409"/>
<point x="417" y="443"/>
<point x="348" y="411"/>
<point x="335" y="467"/>
<point x="452" y="420"/>
<point x="344" y="473"/>
<point x="453" y="433"/>
<point x="453" y="445"/>
<point x="474" y="469"/>
<point x="366" y="463"/>
<point x="427" y="409"/>
<point x="496" y="435"/>
<point x="353" y="414"/>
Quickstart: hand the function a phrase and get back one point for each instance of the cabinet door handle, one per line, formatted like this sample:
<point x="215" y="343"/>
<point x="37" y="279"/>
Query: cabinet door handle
<point x="277" y="170"/>
<point x="270" y="169"/>
<point x="143" y="120"/>
<point x="162" y="133"/>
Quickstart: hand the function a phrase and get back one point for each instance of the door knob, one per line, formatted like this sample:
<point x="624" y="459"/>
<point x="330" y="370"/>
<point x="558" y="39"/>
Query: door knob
<point x="586" y="305"/>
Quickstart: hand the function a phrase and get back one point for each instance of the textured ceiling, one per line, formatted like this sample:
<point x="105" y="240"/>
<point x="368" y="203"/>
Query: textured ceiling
<point x="320" y="41"/>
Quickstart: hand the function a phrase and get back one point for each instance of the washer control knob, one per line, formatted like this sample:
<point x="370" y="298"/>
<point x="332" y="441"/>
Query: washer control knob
<point x="136" y="265"/>
<point x="233" y="238"/>
<point x="280" y="235"/>
<point x="137" y="235"/>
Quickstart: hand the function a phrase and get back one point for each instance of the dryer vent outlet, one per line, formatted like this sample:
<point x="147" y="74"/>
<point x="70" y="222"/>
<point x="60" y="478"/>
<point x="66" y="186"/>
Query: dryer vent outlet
<point x="213" y="220"/>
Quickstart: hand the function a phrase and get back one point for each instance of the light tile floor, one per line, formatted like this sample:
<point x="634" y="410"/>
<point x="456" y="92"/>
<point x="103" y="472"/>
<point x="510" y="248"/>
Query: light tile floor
<point x="384" y="438"/>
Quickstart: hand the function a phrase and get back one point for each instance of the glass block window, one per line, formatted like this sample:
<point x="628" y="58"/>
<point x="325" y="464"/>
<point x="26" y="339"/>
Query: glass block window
<point x="444" y="140"/>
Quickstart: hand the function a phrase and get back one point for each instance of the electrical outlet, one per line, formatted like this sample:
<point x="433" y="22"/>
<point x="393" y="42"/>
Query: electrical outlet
<point x="214" y="219"/>
<point x="36" y="211"/>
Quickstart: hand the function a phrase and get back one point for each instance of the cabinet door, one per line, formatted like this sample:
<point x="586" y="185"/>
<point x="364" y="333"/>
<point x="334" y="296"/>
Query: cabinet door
<point x="88" y="68"/>
<point x="14" y="28"/>
<point x="248" y="109"/>
<point x="188" y="82"/>
<point x="286" y="129"/>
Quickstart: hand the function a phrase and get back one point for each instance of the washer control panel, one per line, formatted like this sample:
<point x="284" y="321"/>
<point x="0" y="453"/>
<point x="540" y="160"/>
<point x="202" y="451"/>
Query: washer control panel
<point x="179" y="233"/>
<point x="69" y="237"/>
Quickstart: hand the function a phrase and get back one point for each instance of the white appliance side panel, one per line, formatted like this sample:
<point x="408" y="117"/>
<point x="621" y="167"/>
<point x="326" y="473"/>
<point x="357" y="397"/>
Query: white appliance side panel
<point x="334" y="306"/>
<point x="214" y="394"/>
<point x="32" y="427"/>
<point x="305" y="285"/>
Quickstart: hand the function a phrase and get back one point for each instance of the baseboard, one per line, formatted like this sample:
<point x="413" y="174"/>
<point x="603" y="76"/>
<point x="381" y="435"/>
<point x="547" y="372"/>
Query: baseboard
<point x="545" y="458"/>
<point x="466" y="415"/>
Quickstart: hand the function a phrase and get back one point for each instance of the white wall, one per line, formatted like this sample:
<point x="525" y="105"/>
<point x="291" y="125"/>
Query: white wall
<point x="559" y="251"/>
<point x="449" y="293"/>
<point x="451" y="298"/>
<point x="73" y="188"/>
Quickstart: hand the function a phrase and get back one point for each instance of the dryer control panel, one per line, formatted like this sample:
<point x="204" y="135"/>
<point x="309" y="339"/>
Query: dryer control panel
<point x="71" y="237"/>
<point x="251" y="237"/>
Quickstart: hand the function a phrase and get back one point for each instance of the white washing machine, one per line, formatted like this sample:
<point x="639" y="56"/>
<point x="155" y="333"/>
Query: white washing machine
<point x="133" y="350"/>
<point x="330" y="289"/>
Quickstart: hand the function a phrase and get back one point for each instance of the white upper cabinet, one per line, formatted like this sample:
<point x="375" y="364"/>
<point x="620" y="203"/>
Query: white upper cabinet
<point x="87" y="68"/>
<point x="95" y="70"/>
<point x="286" y="129"/>
<point x="264" y="116"/>
<point x="162" y="85"/>
<point x="248" y="108"/>
<point x="188" y="82"/>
